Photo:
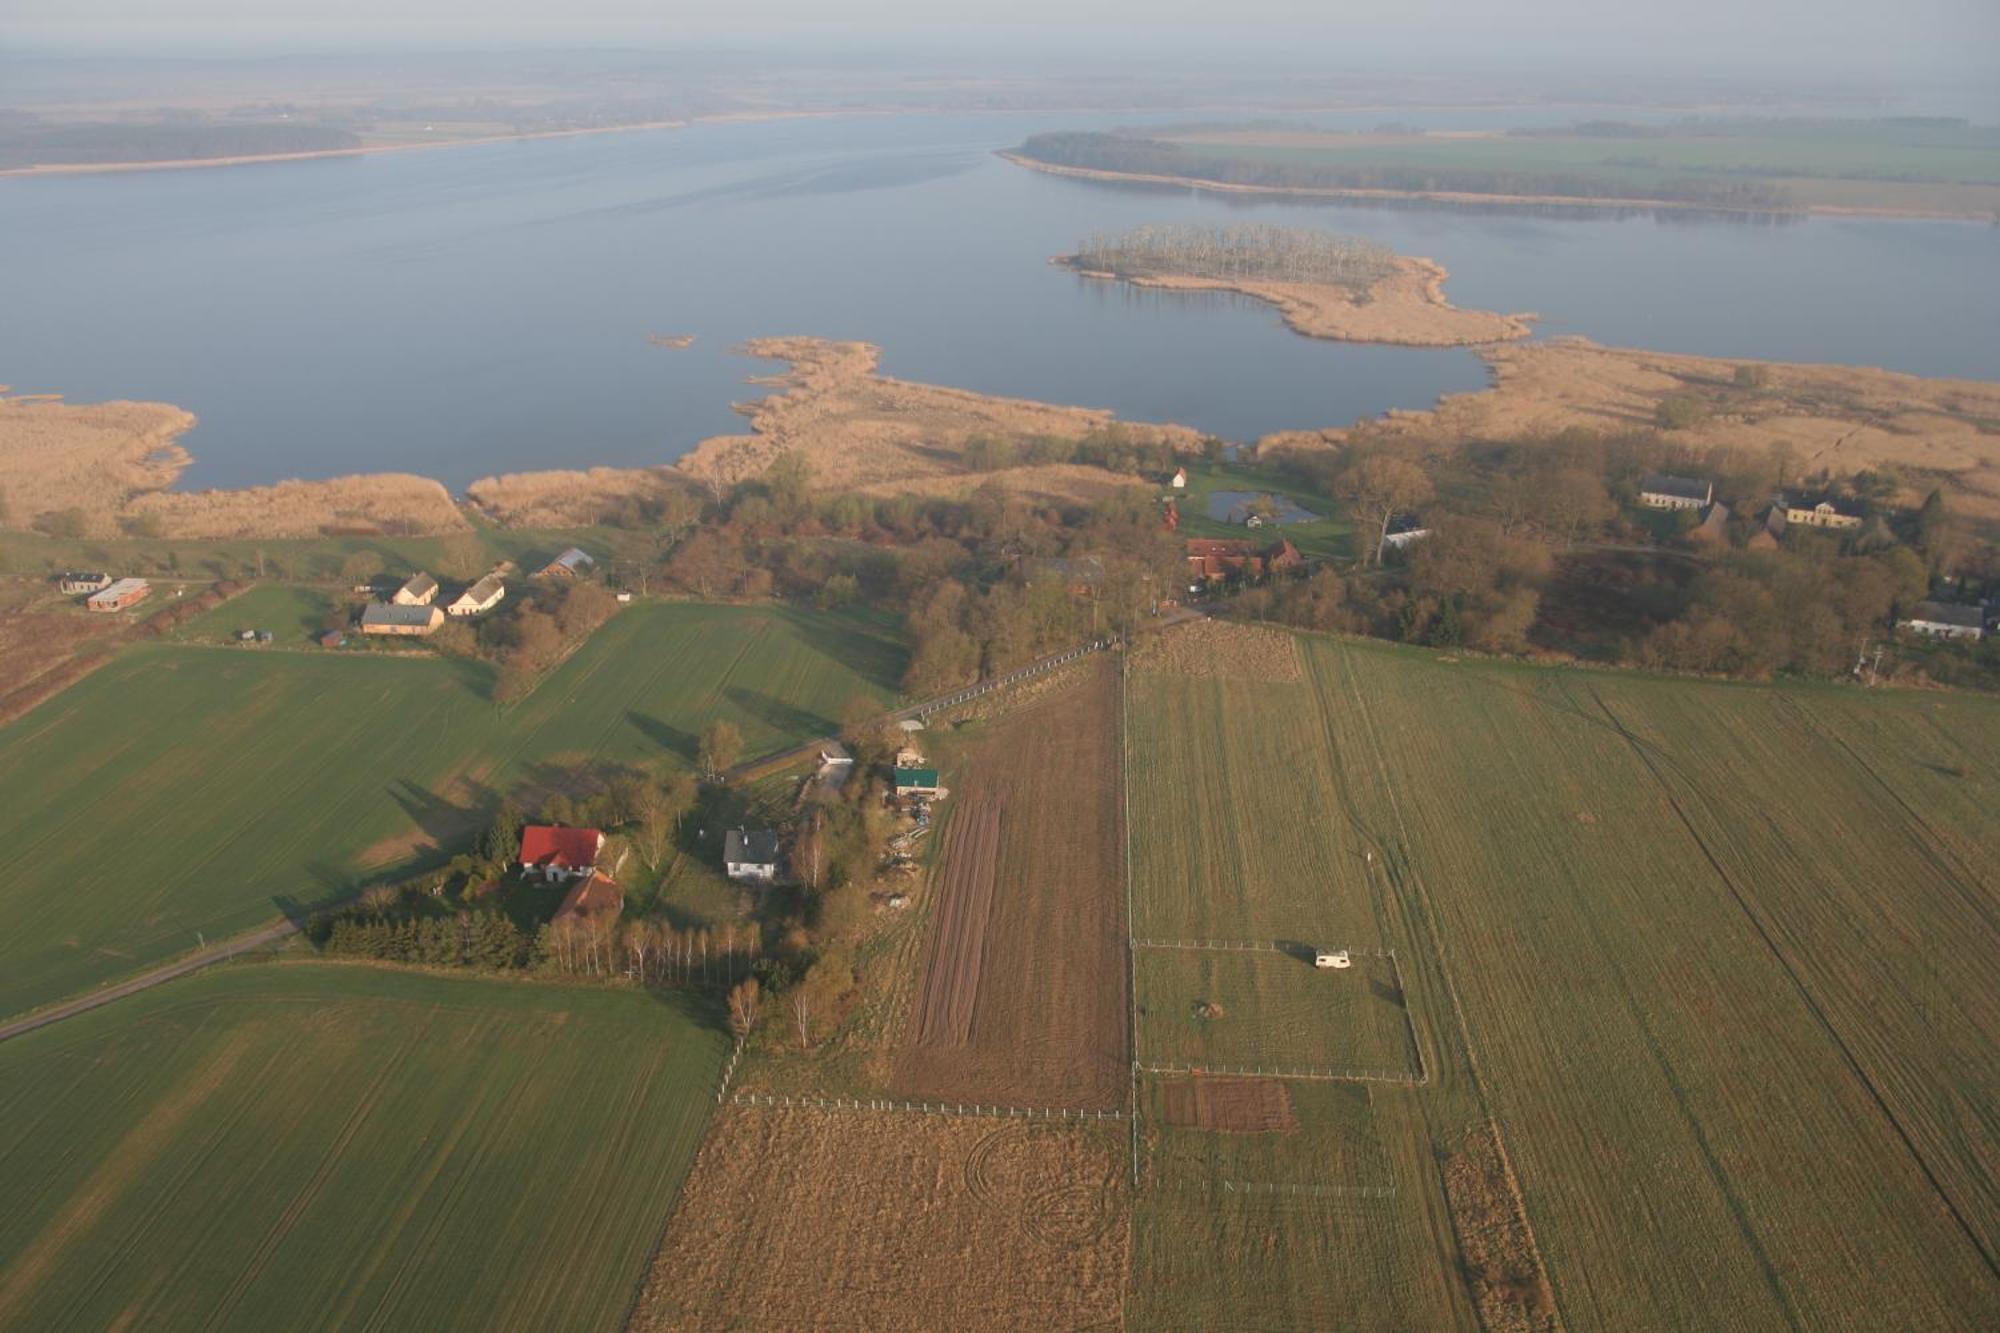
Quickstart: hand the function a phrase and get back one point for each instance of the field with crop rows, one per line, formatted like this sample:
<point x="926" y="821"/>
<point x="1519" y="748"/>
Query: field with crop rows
<point x="185" y="790"/>
<point x="1723" y="959"/>
<point x="309" y="1146"/>
<point x="1011" y="1006"/>
<point x="1713" y="960"/>
<point x="1240" y="828"/>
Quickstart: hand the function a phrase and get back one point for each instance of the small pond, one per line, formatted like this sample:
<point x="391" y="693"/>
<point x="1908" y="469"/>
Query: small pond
<point x="1237" y="506"/>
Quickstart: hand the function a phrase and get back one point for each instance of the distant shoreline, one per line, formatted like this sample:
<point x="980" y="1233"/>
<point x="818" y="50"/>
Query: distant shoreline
<point x="364" y="150"/>
<point x="1464" y="197"/>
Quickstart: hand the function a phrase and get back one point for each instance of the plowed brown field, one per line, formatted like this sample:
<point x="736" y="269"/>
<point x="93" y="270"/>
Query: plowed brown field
<point x="885" y="1220"/>
<point x="1023" y="993"/>
<point x="1230" y="1105"/>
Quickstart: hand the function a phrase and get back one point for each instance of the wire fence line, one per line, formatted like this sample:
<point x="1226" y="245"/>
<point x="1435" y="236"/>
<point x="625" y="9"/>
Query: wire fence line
<point x="729" y="1072"/>
<point x="1035" y="668"/>
<point x="1291" y="1071"/>
<point x="1058" y="1114"/>
<point x="1259" y="946"/>
<point x="1296" y="1188"/>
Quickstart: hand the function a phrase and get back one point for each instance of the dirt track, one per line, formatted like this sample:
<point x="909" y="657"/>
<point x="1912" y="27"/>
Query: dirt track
<point x="1023" y="992"/>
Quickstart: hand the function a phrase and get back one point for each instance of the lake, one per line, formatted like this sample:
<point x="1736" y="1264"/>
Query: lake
<point x="466" y="311"/>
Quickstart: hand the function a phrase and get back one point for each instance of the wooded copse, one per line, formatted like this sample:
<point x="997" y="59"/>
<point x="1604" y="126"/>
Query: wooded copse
<point x="1255" y="250"/>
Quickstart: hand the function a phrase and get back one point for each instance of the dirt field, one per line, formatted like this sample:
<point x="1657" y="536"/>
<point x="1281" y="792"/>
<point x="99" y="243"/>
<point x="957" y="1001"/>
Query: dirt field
<point x="1229" y="1105"/>
<point x="1838" y="418"/>
<point x="1406" y="308"/>
<point x="1023" y="1001"/>
<point x="886" y="1220"/>
<point x="958" y="932"/>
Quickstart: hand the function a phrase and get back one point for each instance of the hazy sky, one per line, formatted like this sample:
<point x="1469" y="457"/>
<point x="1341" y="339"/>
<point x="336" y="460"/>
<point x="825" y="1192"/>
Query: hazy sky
<point x="1899" y="36"/>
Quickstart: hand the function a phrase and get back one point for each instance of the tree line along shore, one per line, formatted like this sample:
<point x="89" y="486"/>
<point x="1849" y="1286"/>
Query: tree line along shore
<point x="1894" y="167"/>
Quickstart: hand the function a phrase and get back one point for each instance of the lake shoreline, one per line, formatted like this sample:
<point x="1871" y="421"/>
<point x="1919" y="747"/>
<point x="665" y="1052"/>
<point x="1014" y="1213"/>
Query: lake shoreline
<point x="879" y="436"/>
<point x="369" y="150"/>
<point x="1462" y="198"/>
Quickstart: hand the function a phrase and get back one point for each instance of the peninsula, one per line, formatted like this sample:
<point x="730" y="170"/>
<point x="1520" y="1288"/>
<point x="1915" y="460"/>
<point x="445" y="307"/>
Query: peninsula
<point x="1325" y="286"/>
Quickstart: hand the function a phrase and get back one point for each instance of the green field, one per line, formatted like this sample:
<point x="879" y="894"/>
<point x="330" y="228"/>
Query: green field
<point x="1265" y="1009"/>
<point x="185" y="790"/>
<point x="293" y="615"/>
<point x="1715" y="959"/>
<point x="312" y="1146"/>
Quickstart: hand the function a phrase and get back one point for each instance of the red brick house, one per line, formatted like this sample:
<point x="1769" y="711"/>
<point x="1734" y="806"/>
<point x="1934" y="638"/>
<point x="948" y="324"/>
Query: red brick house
<point x="1213" y="559"/>
<point x="555" y="852"/>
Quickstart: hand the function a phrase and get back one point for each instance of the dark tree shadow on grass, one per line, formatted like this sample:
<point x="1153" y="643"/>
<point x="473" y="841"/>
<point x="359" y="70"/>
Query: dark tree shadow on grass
<point x="682" y="744"/>
<point x="788" y="720"/>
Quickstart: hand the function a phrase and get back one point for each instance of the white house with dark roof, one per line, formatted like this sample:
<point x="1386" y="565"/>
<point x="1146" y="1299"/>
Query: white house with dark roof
<point x="1946" y="620"/>
<point x="1658" y="490"/>
<point x="750" y="854"/>
<point x="480" y="598"/>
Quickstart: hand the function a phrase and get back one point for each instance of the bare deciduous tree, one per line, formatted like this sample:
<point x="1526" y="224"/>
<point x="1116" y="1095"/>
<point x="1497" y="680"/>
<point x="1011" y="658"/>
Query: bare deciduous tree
<point x="743" y="1004"/>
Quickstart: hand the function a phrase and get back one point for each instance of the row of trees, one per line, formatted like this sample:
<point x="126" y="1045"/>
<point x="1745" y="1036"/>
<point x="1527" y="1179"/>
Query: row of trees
<point x="1239" y="250"/>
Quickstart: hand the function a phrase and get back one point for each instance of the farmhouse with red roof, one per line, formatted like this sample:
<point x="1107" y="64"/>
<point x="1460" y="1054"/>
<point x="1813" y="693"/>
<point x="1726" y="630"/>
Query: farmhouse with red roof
<point x="559" y="853"/>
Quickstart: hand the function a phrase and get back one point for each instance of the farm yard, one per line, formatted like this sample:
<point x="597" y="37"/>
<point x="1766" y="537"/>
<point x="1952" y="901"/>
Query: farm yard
<point x="888" y="1220"/>
<point x="181" y="790"/>
<point x="383" y="1134"/>
<point x="1008" y="1009"/>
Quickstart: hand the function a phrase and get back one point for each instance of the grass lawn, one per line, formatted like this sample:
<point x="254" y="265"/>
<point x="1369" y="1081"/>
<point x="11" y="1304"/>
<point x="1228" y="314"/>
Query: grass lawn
<point x="319" y="1146"/>
<point x="1328" y="535"/>
<point x="293" y="615"/>
<point x="183" y="790"/>
<point x="1204" y="1008"/>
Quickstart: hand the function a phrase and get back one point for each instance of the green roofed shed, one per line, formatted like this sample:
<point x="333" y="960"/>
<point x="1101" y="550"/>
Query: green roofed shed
<point x="916" y="781"/>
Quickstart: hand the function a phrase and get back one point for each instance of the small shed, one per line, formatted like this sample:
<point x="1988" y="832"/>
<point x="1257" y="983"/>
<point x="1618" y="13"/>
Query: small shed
<point x="750" y="854"/>
<point x="333" y="638"/>
<point x="78" y="583"/>
<point x="570" y="564"/>
<point x="916" y="782"/>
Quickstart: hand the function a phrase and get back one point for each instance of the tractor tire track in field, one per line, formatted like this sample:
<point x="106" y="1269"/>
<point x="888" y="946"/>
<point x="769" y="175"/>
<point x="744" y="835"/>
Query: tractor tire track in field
<point x="1398" y="870"/>
<point x="1933" y="846"/>
<point x="1806" y="997"/>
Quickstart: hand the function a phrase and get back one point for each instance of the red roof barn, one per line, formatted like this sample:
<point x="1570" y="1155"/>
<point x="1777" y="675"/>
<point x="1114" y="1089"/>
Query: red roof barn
<point x="560" y="852"/>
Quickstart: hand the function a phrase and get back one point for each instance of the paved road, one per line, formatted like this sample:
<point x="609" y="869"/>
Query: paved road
<point x="180" y="967"/>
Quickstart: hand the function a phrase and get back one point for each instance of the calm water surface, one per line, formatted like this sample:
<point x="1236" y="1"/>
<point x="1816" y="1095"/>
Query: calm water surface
<point x="485" y="309"/>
